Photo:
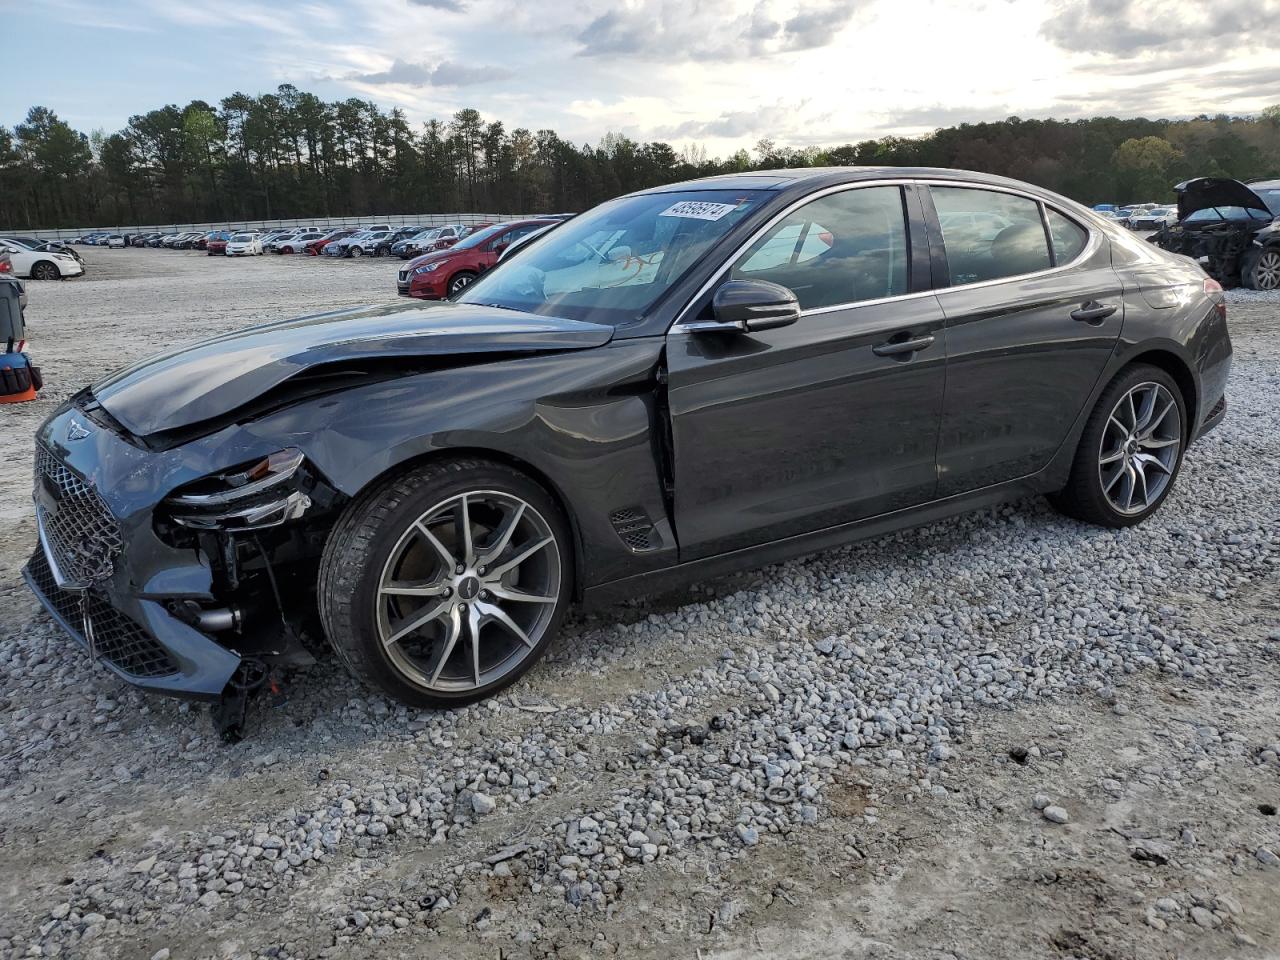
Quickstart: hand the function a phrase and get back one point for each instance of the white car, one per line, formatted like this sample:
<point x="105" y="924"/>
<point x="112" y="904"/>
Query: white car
<point x="115" y="240"/>
<point x="244" y="245"/>
<point x="40" y="264"/>
<point x="298" y="242"/>
<point x="367" y="242"/>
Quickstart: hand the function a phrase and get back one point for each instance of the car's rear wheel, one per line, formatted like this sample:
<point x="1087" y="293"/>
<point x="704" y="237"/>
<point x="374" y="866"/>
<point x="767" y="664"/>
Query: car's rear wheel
<point x="45" y="270"/>
<point x="1130" y="452"/>
<point x="460" y="282"/>
<point x="443" y="585"/>
<point x="1262" y="269"/>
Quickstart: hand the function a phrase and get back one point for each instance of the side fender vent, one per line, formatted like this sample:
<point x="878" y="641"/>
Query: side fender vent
<point x="635" y="529"/>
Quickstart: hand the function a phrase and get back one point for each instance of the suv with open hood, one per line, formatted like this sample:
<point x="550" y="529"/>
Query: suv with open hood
<point x="1231" y="228"/>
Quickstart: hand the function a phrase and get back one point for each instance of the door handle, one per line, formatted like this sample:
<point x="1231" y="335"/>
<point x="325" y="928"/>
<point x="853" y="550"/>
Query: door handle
<point x="896" y="348"/>
<point x="1093" y="312"/>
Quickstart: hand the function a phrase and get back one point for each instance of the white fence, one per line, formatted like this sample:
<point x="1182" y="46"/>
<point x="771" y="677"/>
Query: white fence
<point x="395" y="220"/>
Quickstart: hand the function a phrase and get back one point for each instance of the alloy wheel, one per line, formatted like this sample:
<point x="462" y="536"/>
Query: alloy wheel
<point x="44" y="271"/>
<point x="468" y="591"/>
<point x="1140" y="445"/>
<point x="459" y="283"/>
<point x="1266" y="272"/>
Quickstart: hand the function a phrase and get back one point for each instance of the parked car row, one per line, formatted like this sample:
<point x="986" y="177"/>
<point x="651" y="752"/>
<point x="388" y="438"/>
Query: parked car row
<point x="1138" y="216"/>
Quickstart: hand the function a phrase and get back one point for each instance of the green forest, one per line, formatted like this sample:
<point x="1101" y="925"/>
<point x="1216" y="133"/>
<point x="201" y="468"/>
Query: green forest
<point x="290" y="154"/>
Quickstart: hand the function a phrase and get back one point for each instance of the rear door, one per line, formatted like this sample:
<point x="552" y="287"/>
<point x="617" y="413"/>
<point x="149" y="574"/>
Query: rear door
<point x="1033" y="312"/>
<point x="780" y="432"/>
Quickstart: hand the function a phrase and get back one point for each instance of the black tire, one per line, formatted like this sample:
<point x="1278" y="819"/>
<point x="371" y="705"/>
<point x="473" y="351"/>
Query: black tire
<point x="460" y="281"/>
<point x="354" y="251"/>
<point x="1084" y="496"/>
<point x="371" y="529"/>
<point x="1261" y="269"/>
<point x="45" y="270"/>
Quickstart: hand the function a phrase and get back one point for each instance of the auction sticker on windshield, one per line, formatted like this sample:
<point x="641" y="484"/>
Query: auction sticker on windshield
<point x="698" y="210"/>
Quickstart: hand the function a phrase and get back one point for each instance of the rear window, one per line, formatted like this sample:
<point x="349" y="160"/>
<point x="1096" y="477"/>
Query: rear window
<point x="1069" y="238"/>
<point x="990" y="235"/>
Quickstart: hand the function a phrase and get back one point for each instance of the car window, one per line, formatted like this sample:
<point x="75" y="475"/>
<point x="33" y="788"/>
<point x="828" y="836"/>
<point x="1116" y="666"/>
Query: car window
<point x="1069" y="238"/>
<point x="1225" y="213"/>
<point x="842" y="248"/>
<point x="1005" y="238"/>
<point x="1271" y="197"/>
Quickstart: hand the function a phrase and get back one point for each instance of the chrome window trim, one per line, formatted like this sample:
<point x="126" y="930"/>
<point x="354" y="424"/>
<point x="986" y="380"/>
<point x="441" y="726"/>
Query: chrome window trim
<point x="683" y="326"/>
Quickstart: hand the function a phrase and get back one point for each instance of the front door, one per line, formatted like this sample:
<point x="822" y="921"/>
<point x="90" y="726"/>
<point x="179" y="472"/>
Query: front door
<point x="786" y="431"/>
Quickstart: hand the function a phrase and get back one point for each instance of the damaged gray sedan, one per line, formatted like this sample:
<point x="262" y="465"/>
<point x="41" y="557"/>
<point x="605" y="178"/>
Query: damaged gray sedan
<point x="677" y="384"/>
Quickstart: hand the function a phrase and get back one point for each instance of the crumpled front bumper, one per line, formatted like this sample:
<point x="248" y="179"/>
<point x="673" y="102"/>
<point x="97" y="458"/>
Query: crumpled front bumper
<point x="149" y="649"/>
<point x="94" y="495"/>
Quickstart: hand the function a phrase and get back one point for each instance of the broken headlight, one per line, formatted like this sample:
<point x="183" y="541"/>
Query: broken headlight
<point x="262" y="493"/>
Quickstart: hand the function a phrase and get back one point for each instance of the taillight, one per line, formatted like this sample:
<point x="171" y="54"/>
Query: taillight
<point x="1214" y="291"/>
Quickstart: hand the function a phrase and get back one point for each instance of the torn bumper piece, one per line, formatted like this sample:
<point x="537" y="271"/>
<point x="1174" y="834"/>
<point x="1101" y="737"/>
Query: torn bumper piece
<point x="143" y="644"/>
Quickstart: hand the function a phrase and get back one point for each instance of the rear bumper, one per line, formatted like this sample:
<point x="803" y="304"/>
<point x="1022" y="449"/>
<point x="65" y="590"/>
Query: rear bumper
<point x="1215" y="416"/>
<point x="143" y="646"/>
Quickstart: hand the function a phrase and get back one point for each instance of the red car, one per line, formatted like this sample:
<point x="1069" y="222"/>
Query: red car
<point x="435" y="276"/>
<point x="217" y="246"/>
<point x="315" y="246"/>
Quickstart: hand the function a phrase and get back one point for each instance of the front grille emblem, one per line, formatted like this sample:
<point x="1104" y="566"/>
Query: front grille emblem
<point x="76" y="430"/>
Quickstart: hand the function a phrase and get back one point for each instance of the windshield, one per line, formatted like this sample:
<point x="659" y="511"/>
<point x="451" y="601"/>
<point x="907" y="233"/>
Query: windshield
<point x="1271" y="197"/>
<point x="613" y="262"/>
<point x="1225" y="213"/>
<point x="479" y="237"/>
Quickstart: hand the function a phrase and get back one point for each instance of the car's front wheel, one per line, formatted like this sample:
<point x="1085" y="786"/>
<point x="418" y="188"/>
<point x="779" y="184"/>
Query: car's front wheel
<point x="355" y="251"/>
<point x="460" y="282"/>
<point x="44" y="270"/>
<point x="444" y="584"/>
<point x="1261" y="269"/>
<point x="1130" y="452"/>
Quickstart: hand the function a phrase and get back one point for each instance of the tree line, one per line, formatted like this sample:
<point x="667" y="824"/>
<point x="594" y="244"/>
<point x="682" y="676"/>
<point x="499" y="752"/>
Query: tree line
<point x="290" y="154"/>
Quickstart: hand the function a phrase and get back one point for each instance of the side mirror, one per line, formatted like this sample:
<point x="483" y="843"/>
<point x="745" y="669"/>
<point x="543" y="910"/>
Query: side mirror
<point x="747" y="306"/>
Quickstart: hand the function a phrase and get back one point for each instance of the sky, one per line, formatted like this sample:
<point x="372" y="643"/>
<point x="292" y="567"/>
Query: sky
<point x="721" y="75"/>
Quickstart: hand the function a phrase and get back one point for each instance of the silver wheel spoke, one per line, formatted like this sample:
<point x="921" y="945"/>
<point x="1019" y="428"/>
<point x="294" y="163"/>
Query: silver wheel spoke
<point x="415" y="622"/>
<point x="1154" y="462"/>
<point x="524" y="554"/>
<point x="1140" y="478"/>
<point x="1154" y="443"/>
<point x="398" y="589"/>
<point x="462" y="518"/>
<point x="498" y="615"/>
<point x="474" y="623"/>
<point x="518" y="596"/>
<point x="453" y="629"/>
<point x="1150" y="426"/>
<point x="436" y="545"/>
<point x="504" y="535"/>
<point x="1112" y="457"/>
<point x="1112" y="482"/>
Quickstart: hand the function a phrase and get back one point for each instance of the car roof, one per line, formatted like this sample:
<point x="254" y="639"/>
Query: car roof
<point x="803" y="179"/>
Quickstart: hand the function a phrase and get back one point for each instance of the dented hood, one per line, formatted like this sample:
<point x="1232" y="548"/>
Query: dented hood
<point x="210" y="378"/>
<point x="1204" y="193"/>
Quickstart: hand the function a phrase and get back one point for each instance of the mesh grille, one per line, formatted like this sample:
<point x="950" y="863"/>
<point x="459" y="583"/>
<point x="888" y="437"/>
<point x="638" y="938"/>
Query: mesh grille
<point x="115" y="637"/>
<point x="1217" y="408"/>
<point x="637" y="539"/>
<point x="82" y="533"/>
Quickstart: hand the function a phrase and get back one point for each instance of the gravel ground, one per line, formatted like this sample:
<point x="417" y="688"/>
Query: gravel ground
<point x="1001" y="736"/>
